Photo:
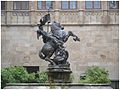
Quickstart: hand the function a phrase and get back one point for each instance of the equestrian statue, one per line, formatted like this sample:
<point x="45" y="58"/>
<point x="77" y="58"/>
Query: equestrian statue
<point x="53" y="49"/>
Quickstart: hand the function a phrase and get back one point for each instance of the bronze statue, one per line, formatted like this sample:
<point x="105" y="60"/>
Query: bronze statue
<point x="54" y="42"/>
<point x="54" y="51"/>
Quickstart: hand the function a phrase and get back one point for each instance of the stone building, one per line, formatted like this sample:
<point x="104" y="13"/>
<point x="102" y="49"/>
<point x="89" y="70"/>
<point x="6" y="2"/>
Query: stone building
<point x="95" y="22"/>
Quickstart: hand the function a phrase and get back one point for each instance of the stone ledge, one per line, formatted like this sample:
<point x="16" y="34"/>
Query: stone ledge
<point x="67" y="24"/>
<point x="56" y="86"/>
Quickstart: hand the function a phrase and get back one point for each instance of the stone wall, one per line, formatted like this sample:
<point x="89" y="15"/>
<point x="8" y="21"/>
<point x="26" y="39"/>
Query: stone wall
<point x="98" y="46"/>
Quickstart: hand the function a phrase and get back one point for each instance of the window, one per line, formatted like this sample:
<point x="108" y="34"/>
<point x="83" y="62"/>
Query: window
<point x="39" y="5"/>
<point x="114" y="4"/>
<point x="32" y="69"/>
<point x="65" y="5"/>
<point x="45" y="5"/>
<point x="73" y="5"/>
<point x="3" y="5"/>
<point x="20" y="5"/>
<point x="49" y="5"/>
<point x="69" y="4"/>
<point x="92" y="4"/>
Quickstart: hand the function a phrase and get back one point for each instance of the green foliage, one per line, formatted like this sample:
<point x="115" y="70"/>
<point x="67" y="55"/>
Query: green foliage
<point x="31" y="78"/>
<point x="41" y="77"/>
<point x="20" y="75"/>
<point x="95" y="74"/>
<point x="14" y="74"/>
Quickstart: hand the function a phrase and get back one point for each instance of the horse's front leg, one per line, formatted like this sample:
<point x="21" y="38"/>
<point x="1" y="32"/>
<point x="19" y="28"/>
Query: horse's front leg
<point x="66" y="38"/>
<point x="70" y="33"/>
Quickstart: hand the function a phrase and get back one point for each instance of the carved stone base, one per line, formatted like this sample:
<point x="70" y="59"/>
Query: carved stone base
<point x="59" y="74"/>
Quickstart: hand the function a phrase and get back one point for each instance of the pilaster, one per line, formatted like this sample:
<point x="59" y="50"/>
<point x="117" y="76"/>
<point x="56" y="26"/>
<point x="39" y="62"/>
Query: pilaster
<point x="33" y="7"/>
<point x="8" y="13"/>
<point x="57" y="6"/>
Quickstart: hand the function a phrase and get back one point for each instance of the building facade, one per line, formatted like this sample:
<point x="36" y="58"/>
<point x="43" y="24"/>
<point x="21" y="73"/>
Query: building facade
<point x="95" y="22"/>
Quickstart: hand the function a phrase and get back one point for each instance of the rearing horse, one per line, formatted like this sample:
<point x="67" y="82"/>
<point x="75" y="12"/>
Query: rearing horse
<point x="54" y="42"/>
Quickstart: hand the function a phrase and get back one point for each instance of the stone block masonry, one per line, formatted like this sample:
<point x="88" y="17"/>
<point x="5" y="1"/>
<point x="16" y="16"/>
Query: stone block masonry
<point x="98" y="46"/>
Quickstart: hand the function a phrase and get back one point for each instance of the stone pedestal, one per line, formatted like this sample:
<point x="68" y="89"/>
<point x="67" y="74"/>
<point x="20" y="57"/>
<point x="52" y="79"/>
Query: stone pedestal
<point x="59" y="74"/>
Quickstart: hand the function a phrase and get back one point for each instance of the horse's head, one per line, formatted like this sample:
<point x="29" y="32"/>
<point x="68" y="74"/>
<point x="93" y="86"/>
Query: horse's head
<point x="45" y="19"/>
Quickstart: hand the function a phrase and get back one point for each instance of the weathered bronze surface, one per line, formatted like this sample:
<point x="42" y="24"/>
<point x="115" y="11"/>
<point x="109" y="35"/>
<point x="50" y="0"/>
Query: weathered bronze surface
<point x="59" y="67"/>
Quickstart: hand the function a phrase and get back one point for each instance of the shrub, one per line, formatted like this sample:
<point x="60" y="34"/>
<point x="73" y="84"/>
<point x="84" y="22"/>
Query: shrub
<point x="95" y="74"/>
<point x="20" y="75"/>
<point x="14" y="75"/>
<point x="41" y="77"/>
<point x="32" y="78"/>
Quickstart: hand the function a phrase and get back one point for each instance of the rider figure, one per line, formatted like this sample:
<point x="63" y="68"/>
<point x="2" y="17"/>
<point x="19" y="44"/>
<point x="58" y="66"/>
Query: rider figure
<point x="58" y="31"/>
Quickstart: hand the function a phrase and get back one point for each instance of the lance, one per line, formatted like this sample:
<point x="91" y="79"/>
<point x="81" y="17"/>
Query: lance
<point x="48" y="21"/>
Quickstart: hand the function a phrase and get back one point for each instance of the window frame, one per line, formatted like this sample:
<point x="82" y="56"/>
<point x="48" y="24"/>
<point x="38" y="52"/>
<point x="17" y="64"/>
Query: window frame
<point x="20" y="5"/>
<point x="92" y="5"/>
<point x="44" y="5"/>
<point x="68" y="6"/>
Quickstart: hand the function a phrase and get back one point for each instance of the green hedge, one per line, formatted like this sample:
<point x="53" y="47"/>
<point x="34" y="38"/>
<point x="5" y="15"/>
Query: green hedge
<point x="20" y="75"/>
<point x="95" y="74"/>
